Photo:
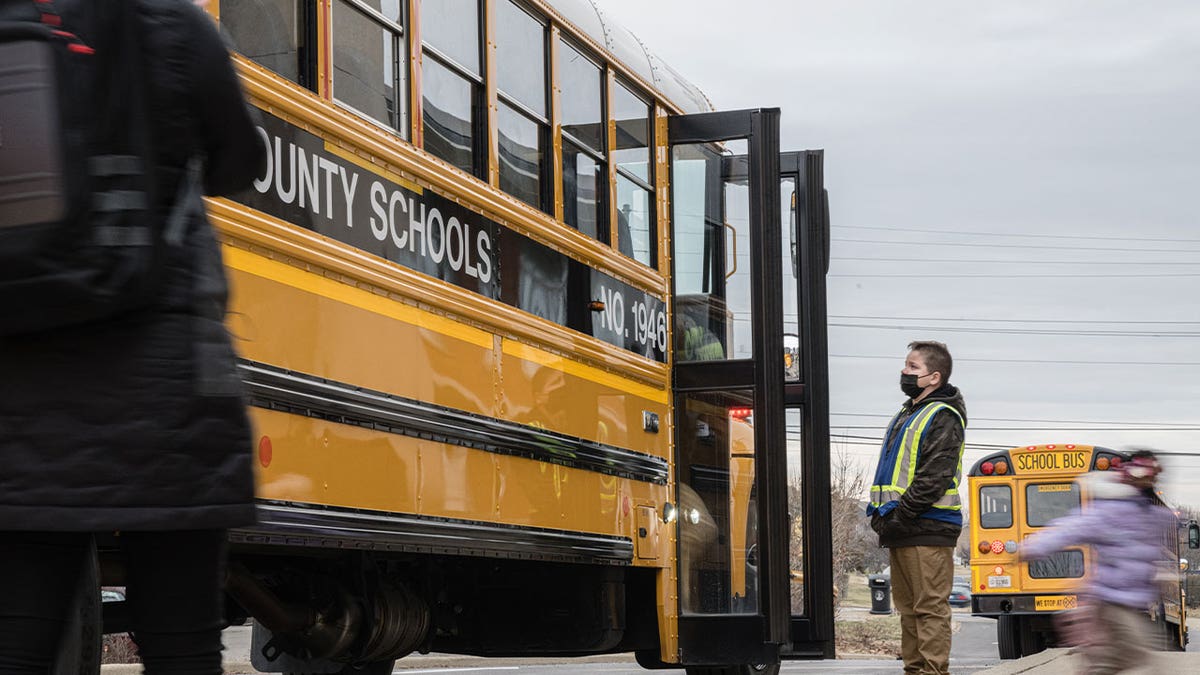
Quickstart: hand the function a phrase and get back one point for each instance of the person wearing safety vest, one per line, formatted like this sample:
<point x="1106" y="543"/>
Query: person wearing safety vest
<point x="915" y="506"/>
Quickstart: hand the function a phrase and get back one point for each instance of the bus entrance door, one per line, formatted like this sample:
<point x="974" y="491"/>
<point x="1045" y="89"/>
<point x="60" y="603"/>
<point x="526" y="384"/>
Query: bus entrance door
<point x="734" y="571"/>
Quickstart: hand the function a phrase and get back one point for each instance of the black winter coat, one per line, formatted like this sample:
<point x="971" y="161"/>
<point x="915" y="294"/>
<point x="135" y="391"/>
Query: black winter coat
<point x="938" y="465"/>
<point x="138" y="422"/>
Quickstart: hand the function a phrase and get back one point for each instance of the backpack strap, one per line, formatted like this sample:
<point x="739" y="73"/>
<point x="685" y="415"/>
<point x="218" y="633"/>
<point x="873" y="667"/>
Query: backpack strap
<point x="185" y="200"/>
<point x="48" y="15"/>
<point x="175" y="226"/>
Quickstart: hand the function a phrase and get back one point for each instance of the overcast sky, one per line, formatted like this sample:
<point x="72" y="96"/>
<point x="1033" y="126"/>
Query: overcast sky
<point x="1074" y="124"/>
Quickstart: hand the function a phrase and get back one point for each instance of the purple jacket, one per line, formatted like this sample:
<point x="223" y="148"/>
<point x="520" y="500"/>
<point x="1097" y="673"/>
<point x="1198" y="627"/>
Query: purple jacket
<point x="1127" y="533"/>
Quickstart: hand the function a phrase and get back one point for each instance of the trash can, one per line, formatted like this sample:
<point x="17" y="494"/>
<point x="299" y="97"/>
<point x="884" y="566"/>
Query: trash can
<point x="881" y="594"/>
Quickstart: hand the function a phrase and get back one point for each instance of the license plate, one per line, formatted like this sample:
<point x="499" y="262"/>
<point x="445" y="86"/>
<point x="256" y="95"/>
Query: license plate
<point x="1053" y="603"/>
<point x="1000" y="582"/>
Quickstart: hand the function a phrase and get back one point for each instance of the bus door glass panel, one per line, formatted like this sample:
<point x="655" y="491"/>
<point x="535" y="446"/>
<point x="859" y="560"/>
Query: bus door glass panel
<point x="795" y="490"/>
<point x="790" y="290"/>
<point x="715" y="460"/>
<point x="1044" y="503"/>
<point x="718" y="529"/>
<point x="712" y="247"/>
<point x="794" y="415"/>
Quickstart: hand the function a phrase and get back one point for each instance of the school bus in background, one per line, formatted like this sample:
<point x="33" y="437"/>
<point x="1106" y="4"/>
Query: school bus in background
<point x="453" y="291"/>
<point x="1017" y="492"/>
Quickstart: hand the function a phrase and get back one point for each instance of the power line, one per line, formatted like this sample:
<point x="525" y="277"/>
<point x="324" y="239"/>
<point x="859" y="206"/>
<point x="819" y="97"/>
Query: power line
<point x="960" y="319"/>
<point x="1014" y="234"/>
<point x="899" y="359"/>
<point x="1097" y="263"/>
<point x="973" y="446"/>
<point x="1023" y="246"/>
<point x="1018" y="276"/>
<point x="1045" y="421"/>
<point x="862" y="440"/>
<point x="1096" y="428"/>
<point x="1019" y="331"/>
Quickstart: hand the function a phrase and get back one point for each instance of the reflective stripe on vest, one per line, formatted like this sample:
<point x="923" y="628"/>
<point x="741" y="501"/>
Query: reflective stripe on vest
<point x="905" y="460"/>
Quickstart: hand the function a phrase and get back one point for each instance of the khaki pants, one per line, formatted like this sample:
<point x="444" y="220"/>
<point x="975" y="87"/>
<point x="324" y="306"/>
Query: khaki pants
<point x="921" y="580"/>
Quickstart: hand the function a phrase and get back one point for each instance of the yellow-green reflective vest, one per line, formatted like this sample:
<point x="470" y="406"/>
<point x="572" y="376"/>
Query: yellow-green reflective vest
<point x="898" y="465"/>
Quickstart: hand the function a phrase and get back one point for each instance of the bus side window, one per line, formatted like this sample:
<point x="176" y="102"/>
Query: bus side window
<point x="273" y="34"/>
<point x="995" y="506"/>
<point x="1193" y="536"/>
<point x="370" y="64"/>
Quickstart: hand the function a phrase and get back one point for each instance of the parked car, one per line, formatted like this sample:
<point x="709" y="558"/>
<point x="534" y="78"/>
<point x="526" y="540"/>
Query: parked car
<point x="960" y="595"/>
<point x="111" y="595"/>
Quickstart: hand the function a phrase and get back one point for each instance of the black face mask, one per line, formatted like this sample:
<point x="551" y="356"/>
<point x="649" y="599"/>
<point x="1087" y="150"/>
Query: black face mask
<point x="908" y="385"/>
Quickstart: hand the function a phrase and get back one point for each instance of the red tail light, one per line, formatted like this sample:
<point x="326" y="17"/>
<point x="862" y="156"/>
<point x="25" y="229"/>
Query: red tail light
<point x="987" y="468"/>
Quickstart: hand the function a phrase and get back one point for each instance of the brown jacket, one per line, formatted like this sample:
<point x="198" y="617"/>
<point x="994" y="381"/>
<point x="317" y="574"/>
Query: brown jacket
<point x="937" y="470"/>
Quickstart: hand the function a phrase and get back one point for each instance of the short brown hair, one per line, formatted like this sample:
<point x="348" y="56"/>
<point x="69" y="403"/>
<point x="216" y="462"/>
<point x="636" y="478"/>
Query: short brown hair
<point x="937" y="356"/>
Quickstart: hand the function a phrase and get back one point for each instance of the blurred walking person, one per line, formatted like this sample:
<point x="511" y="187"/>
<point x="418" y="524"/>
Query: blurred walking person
<point x="1127" y="530"/>
<point x="915" y="506"/>
<point x="135" y="422"/>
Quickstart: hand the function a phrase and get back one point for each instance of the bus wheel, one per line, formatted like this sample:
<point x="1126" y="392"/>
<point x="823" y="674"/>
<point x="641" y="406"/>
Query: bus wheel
<point x="1008" y="636"/>
<point x="1171" y="639"/>
<point x="1032" y="641"/>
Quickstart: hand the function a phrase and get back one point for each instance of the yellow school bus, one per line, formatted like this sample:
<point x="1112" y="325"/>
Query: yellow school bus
<point x="1014" y="494"/>
<point x="454" y="292"/>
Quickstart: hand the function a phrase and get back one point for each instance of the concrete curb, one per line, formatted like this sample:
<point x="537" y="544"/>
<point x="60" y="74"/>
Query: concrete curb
<point x="1028" y="663"/>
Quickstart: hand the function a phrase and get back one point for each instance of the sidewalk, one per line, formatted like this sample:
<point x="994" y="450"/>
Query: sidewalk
<point x="1060" y="662"/>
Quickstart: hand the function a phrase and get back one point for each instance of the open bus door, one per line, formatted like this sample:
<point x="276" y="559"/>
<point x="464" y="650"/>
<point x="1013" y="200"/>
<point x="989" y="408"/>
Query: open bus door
<point x="750" y="421"/>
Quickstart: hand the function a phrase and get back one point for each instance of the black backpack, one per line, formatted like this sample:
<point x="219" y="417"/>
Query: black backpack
<point x="80" y="239"/>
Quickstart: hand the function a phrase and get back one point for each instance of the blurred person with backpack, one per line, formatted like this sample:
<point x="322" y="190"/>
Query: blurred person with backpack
<point x="1126" y="528"/>
<point x="121" y="407"/>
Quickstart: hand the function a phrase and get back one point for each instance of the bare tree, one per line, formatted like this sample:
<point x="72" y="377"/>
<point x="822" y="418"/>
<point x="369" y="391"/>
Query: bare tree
<point x="963" y="545"/>
<point x="853" y="539"/>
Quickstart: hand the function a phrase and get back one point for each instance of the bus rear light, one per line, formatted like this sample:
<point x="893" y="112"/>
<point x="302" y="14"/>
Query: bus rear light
<point x="985" y="546"/>
<point x="265" y="451"/>
<point x="997" y="546"/>
<point x="1010" y="546"/>
<point x="1001" y="468"/>
<point x="1102" y="464"/>
<point x="987" y="468"/>
<point x="1116" y="462"/>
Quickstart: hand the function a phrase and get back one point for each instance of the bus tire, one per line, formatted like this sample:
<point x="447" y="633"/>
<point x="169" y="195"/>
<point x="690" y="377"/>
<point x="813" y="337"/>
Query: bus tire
<point x="1008" y="638"/>
<point x="1032" y="641"/>
<point x="1171" y="637"/>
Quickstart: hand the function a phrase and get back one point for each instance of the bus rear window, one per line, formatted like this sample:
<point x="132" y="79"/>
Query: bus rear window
<point x="1062" y="565"/>
<point x="1046" y="501"/>
<point x="995" y="506"/>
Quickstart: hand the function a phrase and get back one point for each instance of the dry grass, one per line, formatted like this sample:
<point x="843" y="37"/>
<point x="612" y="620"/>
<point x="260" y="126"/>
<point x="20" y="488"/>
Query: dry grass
<point x="858" y="594"/>
<point x="118" y="648"/>
<point x="873" y="635"/>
